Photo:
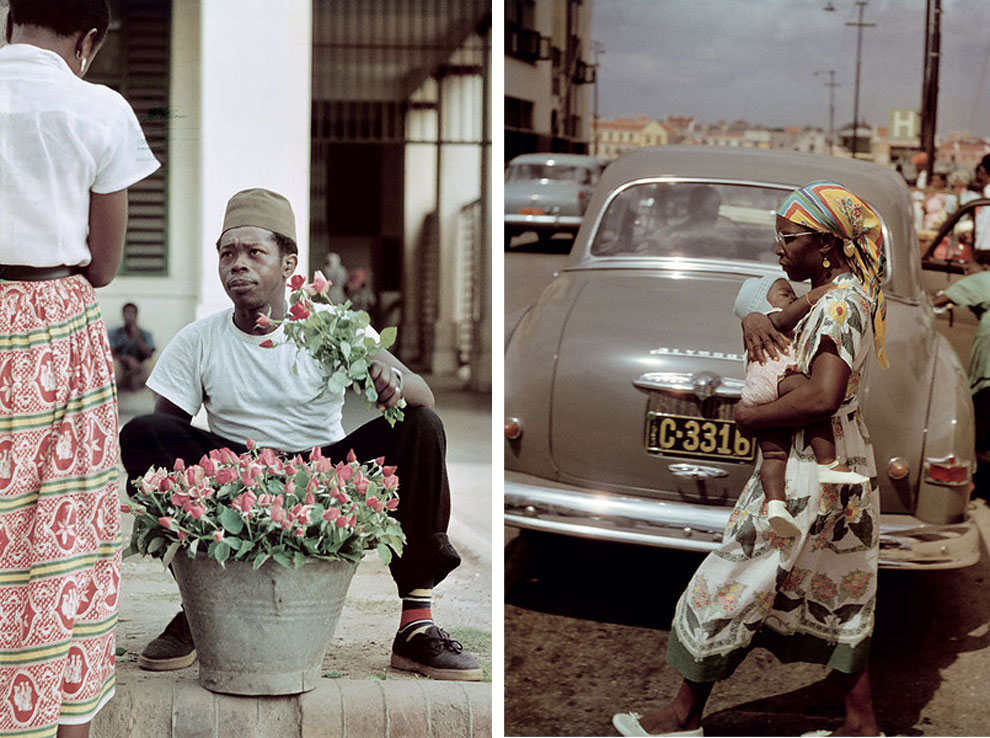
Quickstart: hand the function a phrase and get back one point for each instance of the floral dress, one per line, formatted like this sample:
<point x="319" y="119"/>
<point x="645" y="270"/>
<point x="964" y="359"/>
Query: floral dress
<point x="809" y="598"/>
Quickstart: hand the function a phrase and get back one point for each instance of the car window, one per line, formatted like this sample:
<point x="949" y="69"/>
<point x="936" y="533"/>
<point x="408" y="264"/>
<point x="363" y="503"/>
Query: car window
<point x="559" y="172"/>
<point x="690" y="219"/>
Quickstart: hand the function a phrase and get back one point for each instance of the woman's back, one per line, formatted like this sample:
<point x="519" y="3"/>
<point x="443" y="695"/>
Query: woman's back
<point x="60" y="139"/>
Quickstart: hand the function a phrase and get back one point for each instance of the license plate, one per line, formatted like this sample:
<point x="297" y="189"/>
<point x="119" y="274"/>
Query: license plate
<point x="684" y="435"/>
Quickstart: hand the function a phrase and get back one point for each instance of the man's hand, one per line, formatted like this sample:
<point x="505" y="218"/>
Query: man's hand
<point x="388" y="384"/>
<point x="761" y="340"/>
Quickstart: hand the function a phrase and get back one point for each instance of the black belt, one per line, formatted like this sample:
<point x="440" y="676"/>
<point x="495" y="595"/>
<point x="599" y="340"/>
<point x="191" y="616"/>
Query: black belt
<point x="20" y="273"/>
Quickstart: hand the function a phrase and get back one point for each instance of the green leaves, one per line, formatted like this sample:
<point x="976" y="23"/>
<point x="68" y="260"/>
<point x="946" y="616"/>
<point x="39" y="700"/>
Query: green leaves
<point x="231" y="521"/>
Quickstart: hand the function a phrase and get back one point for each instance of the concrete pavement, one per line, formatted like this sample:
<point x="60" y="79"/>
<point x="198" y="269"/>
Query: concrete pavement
<point x="361" y="695"/>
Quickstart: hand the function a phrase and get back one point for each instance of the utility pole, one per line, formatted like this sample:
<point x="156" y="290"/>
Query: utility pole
<point x="929" y="92"/>
<point x="596" y="48"/>
<point x="860" y="25"/>
<point x="831" y="84"/>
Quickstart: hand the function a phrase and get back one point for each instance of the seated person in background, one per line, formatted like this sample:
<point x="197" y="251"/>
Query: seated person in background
<point x="249" y="391"/>
<point x="131" y="347"/>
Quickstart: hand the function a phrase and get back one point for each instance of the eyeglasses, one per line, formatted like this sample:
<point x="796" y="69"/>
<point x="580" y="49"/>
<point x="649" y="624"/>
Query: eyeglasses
<point x="783" y="239"/>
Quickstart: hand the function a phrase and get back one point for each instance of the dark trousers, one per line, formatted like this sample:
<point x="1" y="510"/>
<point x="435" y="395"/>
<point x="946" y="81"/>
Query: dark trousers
<point x="416" y="446"/>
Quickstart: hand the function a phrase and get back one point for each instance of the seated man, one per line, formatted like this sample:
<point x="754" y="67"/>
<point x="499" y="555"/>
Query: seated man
<point x="250" y="391"/>
<point x="131" y="347"/>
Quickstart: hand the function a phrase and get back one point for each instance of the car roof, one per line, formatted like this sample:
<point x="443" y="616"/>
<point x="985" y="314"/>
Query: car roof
<point x="582" y="160"/>
<point x="882" y="188"/>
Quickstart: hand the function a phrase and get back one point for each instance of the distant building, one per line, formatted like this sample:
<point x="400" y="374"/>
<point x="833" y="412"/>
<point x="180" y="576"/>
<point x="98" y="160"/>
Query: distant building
<point x="960" y="150"/>
<point x="548" y="76"/>
<point x="617" y="135"/>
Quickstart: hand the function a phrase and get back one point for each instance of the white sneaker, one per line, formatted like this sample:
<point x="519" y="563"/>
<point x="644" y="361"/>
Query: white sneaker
<point x="627" y="723"/>
<point x="781" y="520"/>
<point x="828" y="475"/>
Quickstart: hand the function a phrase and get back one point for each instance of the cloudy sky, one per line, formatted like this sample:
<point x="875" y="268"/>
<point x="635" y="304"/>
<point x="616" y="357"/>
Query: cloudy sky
<point x="755" y="60"/>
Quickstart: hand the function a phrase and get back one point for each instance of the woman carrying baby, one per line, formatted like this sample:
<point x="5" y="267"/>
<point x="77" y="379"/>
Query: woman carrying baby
<point x="809" y="597"/>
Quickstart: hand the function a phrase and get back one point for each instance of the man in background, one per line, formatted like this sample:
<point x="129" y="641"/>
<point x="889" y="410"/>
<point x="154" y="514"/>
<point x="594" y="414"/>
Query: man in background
<point x="131" y="346"/>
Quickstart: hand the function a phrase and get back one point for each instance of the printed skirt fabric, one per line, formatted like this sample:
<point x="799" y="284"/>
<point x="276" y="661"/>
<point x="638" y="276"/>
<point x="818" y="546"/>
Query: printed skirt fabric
<point x="59" y="507"/>
<point x="808" y="598"/>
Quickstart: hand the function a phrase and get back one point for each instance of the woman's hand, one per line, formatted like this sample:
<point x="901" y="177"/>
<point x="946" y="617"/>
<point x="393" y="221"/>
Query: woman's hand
<point x="761" y="340"/>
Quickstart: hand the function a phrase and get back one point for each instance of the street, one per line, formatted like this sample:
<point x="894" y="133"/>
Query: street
<point x="586" y="630"/>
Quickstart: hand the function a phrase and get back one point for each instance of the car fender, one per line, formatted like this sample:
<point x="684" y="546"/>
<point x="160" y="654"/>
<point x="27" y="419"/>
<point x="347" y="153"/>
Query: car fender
<point x="949" y="435"/>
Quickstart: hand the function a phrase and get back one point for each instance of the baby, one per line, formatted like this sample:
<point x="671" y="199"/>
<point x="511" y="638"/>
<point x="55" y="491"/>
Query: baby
<point x="766" y="382"/>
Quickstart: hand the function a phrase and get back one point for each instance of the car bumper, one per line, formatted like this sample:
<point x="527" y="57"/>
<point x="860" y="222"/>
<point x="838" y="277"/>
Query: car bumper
<point x="533" y="503"/>
<point x="521" y="223"/>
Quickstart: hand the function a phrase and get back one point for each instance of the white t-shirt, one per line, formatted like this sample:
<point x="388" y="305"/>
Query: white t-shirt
<point x="983" y="224"/>
<point x="248" y="391"/>
<point x="60" y="138"/>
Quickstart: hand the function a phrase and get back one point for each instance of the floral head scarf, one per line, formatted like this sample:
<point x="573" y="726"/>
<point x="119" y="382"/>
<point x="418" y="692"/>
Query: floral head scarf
<point x="831" y="208"/>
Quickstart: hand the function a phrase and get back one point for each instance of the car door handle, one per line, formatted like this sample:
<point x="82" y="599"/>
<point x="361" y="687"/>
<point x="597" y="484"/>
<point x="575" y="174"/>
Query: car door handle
<point x="686" y="382"/>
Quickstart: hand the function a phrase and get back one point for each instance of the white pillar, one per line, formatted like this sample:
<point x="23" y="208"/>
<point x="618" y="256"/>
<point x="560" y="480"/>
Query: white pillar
<point x="254" y="104"/>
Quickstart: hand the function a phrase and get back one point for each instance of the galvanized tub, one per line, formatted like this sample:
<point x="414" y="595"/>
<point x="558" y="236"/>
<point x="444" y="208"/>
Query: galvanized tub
<point x="261" y="632"/>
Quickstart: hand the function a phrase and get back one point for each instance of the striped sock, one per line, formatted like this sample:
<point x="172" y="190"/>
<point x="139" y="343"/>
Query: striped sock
<point x="416" y="613"/>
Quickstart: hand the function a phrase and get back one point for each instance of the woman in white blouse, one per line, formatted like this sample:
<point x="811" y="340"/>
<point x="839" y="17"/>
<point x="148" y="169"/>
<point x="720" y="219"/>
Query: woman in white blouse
<point x="68" y="152"/>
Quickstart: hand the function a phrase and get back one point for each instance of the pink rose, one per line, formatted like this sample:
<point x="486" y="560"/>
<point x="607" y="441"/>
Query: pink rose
<point x="323" y="466"/>
<point x="196" y="511"/>
<point x="310" y="498"/>
<point x="244" y="501"/>
<point x="225" y="476"/>
<point x="319" y="286"/>
<point x="361" y="482"/>
<point x="340" y="522"/>
<point x="344" y="473"/>
<point x="380" y="460"/>
<point x="218" y="535"/>
<point x="166" y="485"/>
<point x="209" y="467"/>
<point x="125" y="508"/>
<point x="166" y="522"/>
<point x="278" y="514"/>
<point x="290" y="487"/>
<point x="300" y="532"/>
<point x="194" y="475"/>
<point x="391" y="482"/>
<point x="267" y="457"/>
<point x="179" y="465"/>
<point x="393" y="503"/>
<point x="331" y="514"/>
<point x="183" y="535"/>
<point x="246" y="479"/>
<point x="351" y="457"/>
<point x="263" y="321"/>
<point x="388" y="470"/>
<point x="297" y="281"/>
<point x="179" y="499"/>
<point x="316" y="453"/>
<point x="250" y="444"/>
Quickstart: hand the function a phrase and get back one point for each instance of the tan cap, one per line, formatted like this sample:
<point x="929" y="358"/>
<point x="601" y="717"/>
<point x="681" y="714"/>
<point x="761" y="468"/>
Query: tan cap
<point x="262" y="209"/>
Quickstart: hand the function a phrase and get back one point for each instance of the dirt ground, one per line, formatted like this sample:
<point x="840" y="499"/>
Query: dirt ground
<point x="586" y="633"/>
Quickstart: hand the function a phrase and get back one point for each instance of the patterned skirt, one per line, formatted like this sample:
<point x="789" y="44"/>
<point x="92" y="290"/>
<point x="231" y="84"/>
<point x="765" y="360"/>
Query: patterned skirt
<point x="810" y="598"/>
<point x="59" y="507"/>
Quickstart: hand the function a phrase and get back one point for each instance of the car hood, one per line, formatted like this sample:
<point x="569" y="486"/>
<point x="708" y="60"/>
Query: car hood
<point x="544" y="194"/>
<point x="598" y="416"/>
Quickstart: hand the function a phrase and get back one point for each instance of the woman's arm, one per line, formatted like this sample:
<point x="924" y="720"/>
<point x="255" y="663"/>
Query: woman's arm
<point x="414" y="388"/>
<point x="813" y="401"/>
<point x="107" y="228"/>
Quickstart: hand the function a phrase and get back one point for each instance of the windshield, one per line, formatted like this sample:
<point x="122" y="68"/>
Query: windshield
<point x="691" y="219"/>
<point x="559" y="172"/>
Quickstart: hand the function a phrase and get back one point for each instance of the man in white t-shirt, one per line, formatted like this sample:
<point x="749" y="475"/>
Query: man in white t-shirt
<point x="981" y="247"/>
<point x="247" y="392"/>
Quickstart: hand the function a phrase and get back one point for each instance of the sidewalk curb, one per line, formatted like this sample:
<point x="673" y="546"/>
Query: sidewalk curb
<point x="156" y="706"/>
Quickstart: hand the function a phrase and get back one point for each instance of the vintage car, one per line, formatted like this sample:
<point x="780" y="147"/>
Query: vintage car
<point x="622" y="377"/>
<point x="548" y="193"/>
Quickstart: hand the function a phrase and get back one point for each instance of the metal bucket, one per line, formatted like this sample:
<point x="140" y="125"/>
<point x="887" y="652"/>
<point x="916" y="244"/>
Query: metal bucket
<point x="261" y="632"/>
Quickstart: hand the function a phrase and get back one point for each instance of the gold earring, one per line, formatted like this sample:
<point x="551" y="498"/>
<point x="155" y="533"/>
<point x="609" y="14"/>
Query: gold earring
<point x="825" y="262"/>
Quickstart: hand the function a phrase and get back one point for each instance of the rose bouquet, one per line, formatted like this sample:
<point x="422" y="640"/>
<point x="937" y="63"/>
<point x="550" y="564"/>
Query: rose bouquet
<point x="335" y="336"/>
<point x="259" y="505"/>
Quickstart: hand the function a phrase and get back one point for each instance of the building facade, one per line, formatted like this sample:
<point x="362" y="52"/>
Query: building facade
<point x="549" y="74"/>
<point x="373" y="119"/>
<point x="616" y="135"/>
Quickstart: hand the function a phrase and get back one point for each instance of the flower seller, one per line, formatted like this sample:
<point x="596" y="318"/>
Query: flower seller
<point x="268" y="394"/>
